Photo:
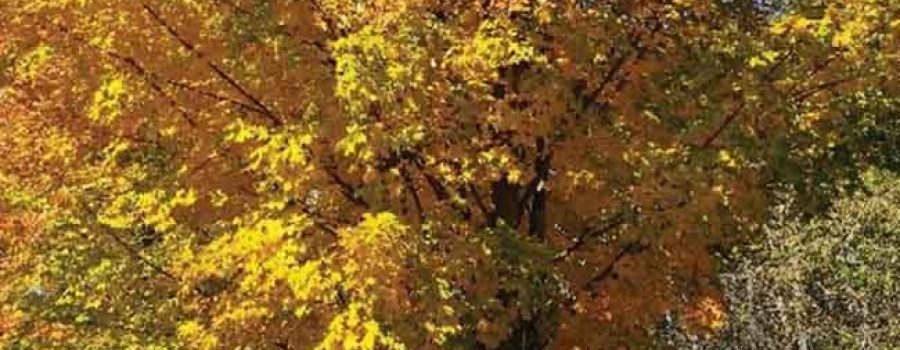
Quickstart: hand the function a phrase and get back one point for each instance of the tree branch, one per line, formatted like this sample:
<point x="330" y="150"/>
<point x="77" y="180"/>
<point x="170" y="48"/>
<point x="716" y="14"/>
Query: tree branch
<point x="630" y="248"/>
<point x="215" y="68"/>
<point x="614" y="222"/>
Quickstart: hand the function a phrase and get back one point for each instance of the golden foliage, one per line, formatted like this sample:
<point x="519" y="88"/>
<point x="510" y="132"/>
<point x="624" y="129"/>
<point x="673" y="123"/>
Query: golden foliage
<point x="410" y="174"/>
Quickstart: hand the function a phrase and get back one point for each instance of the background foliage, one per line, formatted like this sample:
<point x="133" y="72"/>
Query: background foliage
<point x="826" y="283"/>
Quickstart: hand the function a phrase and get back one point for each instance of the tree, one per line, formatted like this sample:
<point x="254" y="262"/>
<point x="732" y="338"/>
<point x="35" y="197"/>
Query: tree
<point x="420" y="173"/>
<point x="826" y="283"/>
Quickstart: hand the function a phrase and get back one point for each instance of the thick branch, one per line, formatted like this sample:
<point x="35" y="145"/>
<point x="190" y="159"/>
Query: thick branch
<point x="411" y="188"/>
<point x="538" y="206"/>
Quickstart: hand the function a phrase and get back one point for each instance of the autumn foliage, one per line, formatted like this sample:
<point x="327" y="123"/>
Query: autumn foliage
<point x="414" y="174"/>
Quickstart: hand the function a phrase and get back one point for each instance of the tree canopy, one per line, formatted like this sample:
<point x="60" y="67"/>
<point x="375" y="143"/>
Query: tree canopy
<point x="414" y="174"/>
